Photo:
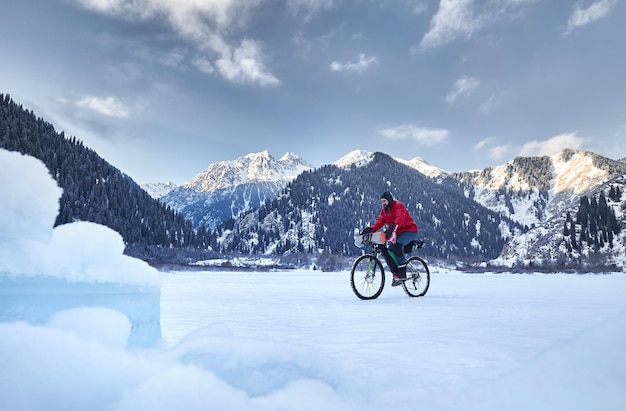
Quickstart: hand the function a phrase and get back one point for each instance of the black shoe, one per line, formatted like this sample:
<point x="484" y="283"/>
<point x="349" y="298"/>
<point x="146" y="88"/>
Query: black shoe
<point x="397" y="281"/>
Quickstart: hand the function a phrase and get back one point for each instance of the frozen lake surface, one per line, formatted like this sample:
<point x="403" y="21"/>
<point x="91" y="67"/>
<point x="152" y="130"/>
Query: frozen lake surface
<point x="475" y="341"/>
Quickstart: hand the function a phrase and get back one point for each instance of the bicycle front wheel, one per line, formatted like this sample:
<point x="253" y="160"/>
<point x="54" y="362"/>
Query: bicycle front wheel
<point x="417" y="277"/>
<point x="367" y="277"/>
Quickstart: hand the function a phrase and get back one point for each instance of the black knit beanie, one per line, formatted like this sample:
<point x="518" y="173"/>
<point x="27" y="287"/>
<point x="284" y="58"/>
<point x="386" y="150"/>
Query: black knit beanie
<point x="387" y="195"/>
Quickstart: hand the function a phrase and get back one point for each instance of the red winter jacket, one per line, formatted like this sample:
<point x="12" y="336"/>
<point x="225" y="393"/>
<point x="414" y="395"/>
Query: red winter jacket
<point x="396" y="213"/>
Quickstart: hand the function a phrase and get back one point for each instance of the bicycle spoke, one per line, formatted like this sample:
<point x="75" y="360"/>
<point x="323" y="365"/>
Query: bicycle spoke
<point x="367" y="277"/>
<point x="418" y="277"/>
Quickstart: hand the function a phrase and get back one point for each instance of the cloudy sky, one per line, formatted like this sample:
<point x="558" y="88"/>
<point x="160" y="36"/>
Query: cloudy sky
<point x="163" y="88"/>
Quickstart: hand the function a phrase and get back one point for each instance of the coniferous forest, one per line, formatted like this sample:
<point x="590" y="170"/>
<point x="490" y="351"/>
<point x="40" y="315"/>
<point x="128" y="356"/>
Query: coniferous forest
<point x="94" y="190"/>
<point x="594" y="224"/>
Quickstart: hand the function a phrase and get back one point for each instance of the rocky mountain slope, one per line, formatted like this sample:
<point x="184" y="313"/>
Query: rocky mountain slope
<point x="589" y="235"/>
<point x="158" y="190"/>
<point x="531" y="190"/>
<point x="226" y="189"/>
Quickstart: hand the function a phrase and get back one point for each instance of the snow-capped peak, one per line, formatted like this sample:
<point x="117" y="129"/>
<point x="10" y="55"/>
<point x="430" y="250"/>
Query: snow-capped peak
<point x="158" y="190"/>
<point x="291" y="157"/>
<point x="250" y="168"/>
<point x="358" y="158"/>
<point x="361" y="158"/>
<point x="423" y="167"/>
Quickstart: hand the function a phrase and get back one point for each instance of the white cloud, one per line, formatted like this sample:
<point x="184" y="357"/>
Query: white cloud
<point x="462" y="18"/>
<point x="455" y="18"/>
<point x="244" y="65"/>
<point x="174" y="58"/>
<point x="420" y="7"/>
<point x="483" y="143"/>
<point x="354" y="67"/>
<point x="499" y="152"/>
<point x="204" y="65"/>
<point x="547" y="147"/>
<point x="309" y="7"/>
<point x="581" y="17"/>
<point x="304" y="44"/>
<point x="426" y="136"/>
<point x="463" y="87"/>
<point x="207" y="24"/>
<point x="108" y="106"/>
<point x="488" y="105"/>
<point x="551" y="146"/>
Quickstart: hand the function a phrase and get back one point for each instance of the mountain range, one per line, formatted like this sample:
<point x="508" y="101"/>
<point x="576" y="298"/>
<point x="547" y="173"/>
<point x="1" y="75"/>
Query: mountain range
<point x="226" y="189"/>
<point x="573" y="202"/>
<point x="565" y="211"/>
<point x="521" y="198"/>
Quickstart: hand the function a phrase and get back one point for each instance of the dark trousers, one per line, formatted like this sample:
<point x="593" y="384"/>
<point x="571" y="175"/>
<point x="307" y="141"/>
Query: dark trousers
<point x="398" y="250"/>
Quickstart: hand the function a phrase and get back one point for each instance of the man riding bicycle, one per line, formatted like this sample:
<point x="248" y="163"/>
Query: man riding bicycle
<point x="401" y="230"/>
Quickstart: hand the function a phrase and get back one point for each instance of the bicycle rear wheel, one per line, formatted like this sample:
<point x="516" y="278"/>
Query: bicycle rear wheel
<point x="367" y="277"/>
<point x="417" y="277"/>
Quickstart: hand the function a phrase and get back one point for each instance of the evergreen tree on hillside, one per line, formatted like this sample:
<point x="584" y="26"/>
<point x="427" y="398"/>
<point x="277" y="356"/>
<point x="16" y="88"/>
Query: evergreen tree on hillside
<point x="322" y="209"/>
<point x="94" y="190"/>
<point x="614" y="193"/>
<point x="596" y="221"/>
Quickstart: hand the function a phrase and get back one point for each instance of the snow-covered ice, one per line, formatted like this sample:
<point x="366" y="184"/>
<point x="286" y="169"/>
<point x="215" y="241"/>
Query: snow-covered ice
<point x="45" y="270"/>
<point x="488" y="341"/>
<point x="289" y="340"/>
<point x="302" y="341"/>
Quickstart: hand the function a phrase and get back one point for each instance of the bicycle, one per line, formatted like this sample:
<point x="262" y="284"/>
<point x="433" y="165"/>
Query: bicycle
<point x="367" y="277"/>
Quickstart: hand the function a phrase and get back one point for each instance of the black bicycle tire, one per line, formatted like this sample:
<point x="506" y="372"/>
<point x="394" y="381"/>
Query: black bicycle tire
<point x="410" y="290"/>
<point x="353" y="282"/>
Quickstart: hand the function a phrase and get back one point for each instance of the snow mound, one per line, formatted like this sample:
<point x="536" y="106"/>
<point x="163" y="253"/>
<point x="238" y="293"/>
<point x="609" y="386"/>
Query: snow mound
<point x="29" y="203"/>
<point x="44" y="270"/>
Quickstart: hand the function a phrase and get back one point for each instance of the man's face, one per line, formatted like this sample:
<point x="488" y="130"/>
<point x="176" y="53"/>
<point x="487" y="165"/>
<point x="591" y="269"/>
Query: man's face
<point x="384" y="202"/>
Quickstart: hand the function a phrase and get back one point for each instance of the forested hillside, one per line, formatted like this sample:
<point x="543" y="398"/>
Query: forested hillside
<point x="94" y="190"/>
<point x="320" y="211"/>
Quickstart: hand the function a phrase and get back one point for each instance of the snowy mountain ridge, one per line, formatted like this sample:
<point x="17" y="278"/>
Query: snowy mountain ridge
<point x="531" y="190"/>
<point x="227" y="188"/>
<point x="158" y="190"/>
<point x="590" y="232"/>
<point x="534" y="192"/>
<point x="250" y="168"/>
<point x="360" y="158"/>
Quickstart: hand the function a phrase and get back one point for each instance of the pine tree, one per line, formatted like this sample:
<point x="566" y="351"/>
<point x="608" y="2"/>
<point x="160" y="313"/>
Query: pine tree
<point x="567" y="227"/>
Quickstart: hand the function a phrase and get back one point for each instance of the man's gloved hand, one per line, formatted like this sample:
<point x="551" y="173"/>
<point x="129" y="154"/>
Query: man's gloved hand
<point x="366" y="230"/>
<point x="390" y="229"/>
<point x="390" y="233"/>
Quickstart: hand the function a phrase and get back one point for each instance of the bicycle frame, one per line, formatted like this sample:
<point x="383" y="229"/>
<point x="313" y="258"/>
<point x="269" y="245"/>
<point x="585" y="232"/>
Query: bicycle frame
<point x="380" y="250"/>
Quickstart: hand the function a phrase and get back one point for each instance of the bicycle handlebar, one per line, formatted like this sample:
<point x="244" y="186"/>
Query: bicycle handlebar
<point x="378" y="238"/>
